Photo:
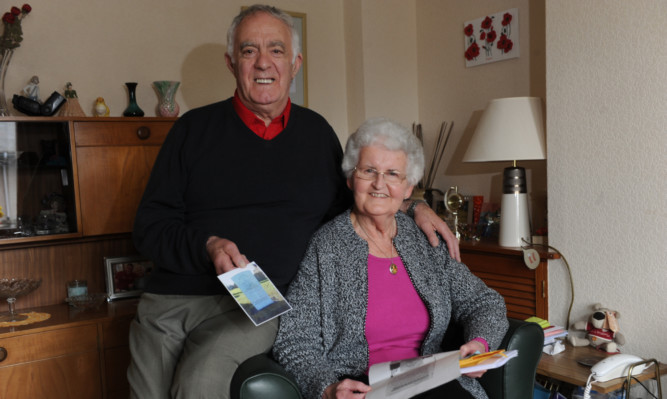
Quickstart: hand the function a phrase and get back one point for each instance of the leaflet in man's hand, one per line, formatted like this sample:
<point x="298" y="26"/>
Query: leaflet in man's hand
<point x="409" y="377"/>
<point x="255" y="293"/>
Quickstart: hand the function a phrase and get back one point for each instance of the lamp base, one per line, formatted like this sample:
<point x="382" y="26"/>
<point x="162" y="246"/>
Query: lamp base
<point x="514" y="220"/>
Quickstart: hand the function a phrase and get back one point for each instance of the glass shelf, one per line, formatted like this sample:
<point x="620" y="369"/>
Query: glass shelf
<point x="37" y="190"/>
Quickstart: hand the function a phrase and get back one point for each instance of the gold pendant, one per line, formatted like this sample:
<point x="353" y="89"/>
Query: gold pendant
<point x="393" y="269"/>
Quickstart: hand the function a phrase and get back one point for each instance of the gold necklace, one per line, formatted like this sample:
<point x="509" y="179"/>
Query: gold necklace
<point x="392" y="268"/>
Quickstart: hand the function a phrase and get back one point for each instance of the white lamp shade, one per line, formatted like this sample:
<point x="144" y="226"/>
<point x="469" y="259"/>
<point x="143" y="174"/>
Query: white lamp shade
<point x="510" y="129"/>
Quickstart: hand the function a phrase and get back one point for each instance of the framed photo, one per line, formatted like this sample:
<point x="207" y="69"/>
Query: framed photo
<point x="298" y="91"/>
<point x="126" y="276"/>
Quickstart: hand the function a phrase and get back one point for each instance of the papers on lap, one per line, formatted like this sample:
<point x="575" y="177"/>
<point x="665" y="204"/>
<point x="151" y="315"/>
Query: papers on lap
<point x="486" y="361"/>
<point x="255" y="293"/>
<point x="409" y="377"/>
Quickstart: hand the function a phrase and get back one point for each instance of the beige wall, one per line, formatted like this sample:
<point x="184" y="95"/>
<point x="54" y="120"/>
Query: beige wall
<point x="607" y="149"/>
<point x="382" y="60"/>
<point x="449" y="91"/>
<point x="100" y="45"/>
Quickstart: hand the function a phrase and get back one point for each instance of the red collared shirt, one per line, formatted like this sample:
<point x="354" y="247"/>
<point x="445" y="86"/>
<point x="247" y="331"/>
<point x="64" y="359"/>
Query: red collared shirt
<point x="256" y="124"/>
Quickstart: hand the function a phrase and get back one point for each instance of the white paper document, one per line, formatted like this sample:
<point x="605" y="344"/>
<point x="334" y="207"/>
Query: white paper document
<point x="406" y="378"/>
<point x="255" y="293"/>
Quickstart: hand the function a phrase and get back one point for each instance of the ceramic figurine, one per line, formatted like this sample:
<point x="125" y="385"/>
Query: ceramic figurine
<point x="72" y="106"/>
<point x="31" y="90"/>
<point x="100" y="108"/>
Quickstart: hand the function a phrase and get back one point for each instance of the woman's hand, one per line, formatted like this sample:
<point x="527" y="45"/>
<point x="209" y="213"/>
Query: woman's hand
<point x="346" y="388"/>
<point x="471" y="348"/>
<point x="430" y="222"/>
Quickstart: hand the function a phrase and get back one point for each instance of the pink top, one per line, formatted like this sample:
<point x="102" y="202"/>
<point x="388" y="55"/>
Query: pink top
<point x="397" y="320"/>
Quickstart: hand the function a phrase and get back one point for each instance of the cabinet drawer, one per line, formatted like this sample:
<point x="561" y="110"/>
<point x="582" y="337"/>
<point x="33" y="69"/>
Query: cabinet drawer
<point x="63" y="377"/>
<point x="49" y="344"/>
<point x="123" y="133"/>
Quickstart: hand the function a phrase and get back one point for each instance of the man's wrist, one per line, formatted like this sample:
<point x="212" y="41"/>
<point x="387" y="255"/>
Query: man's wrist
<point x="411" y="208"/>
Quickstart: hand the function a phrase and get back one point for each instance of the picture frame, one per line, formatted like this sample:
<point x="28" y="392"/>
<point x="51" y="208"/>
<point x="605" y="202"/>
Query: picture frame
<point x="299" y="88"/>
<point x="492" y="38"/>
<point x="126" y="276"/>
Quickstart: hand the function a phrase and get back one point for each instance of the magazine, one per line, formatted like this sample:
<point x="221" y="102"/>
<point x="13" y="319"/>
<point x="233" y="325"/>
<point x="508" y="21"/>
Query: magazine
<point x="255" y="293"/>
<point x="409" y="377"/>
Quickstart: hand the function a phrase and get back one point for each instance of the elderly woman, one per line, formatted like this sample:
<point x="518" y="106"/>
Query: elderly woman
<point x="372" y="289"/>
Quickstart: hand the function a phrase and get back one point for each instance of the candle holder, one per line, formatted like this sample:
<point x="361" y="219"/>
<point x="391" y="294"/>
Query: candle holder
<point x="10" y="288"/>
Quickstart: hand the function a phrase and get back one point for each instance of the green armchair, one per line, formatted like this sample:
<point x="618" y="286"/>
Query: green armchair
<point x="261" y="377"/>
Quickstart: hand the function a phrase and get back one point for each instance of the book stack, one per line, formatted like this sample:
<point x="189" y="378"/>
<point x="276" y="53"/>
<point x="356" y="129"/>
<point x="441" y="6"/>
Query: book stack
<point x="551" y="332"/>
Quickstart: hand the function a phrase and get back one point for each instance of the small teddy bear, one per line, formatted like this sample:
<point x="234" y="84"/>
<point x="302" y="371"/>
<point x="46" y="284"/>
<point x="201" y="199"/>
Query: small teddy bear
<point x="601" y="330"/>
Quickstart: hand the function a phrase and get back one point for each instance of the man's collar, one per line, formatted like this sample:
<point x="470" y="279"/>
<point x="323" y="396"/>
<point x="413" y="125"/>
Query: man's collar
<point x="251" y="120"/>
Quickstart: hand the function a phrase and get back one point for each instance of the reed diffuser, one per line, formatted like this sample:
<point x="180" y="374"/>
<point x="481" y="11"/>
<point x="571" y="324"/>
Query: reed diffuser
<point x="425" y="187"/>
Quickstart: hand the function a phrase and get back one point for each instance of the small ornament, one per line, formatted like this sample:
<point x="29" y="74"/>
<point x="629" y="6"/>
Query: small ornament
<point x="31" y="90"/>
<point x="133" y="108"/>
<point x="166" y="90"/>
<point x="393" y="269"/>
<point x="101" y="108"/>
<point x="72" y="106"/>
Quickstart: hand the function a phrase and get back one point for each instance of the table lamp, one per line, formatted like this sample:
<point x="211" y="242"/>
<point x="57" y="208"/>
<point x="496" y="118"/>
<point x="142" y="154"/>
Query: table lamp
<point x="511" y="129"/>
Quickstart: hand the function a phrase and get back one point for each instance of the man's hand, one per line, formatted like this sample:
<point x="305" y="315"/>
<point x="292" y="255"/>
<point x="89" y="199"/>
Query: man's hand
<point x="430" y="222"/>
<point x="346" y="388"/>
<point x="224" y="254"/>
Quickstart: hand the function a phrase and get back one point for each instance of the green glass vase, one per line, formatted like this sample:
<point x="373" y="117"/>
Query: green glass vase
<point x="132" y="108"/>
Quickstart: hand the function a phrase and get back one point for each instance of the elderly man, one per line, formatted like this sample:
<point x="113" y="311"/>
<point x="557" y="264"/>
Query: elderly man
<point x="248" y="178"/>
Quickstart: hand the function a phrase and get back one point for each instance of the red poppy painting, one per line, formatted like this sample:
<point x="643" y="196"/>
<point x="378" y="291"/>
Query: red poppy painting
<point x="491" y="38"/>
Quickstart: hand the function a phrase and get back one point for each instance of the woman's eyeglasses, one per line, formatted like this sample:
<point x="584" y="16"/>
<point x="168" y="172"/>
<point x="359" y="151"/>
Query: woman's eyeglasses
<point x="390" y="176"/>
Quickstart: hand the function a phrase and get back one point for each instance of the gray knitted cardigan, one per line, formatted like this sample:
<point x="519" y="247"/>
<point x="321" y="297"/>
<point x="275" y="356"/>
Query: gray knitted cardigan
<point x="323" y="338"/>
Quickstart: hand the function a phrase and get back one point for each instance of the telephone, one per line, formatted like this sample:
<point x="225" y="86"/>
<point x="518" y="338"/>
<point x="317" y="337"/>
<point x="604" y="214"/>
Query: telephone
<point x="616" y="366"/>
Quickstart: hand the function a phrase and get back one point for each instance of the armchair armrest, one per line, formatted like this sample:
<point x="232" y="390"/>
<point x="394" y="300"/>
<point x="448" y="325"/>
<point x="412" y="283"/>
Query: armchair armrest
<point x="516" y="379"/>
<point x="262" y="377"/>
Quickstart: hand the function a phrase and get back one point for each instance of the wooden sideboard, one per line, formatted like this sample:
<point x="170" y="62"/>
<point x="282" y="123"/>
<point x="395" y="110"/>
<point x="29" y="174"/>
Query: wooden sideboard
<point x="74" y="354"/>
<point x="114" y="160"/>
<point x="101" y="167"/>
<point x="526" y="291"/>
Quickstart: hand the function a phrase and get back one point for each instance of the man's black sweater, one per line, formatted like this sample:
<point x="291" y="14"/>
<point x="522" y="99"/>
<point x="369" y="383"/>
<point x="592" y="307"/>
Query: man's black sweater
<point x="214" y="176"/>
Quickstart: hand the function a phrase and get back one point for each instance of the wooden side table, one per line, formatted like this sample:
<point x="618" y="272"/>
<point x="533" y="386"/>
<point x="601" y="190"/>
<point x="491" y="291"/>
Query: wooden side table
<point x="565" y="367"/>
<point x="526" y="291"/>
<point x="73" y="354"/>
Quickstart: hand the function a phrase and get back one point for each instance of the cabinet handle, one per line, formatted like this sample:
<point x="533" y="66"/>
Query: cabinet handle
<point x="3" y="353"/>
<point x="143" y="132"/>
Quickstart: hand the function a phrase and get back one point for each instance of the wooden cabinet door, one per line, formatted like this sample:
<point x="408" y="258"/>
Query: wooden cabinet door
<point x="114" y="161"/>
<point x="115" y="339"/>
<point x="74" y="376"/>
<point x="61" y="363"/>
<point x="525" y="290"/>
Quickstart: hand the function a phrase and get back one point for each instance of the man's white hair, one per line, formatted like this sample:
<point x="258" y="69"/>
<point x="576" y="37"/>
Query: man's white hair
<point x="273" y="11"/>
